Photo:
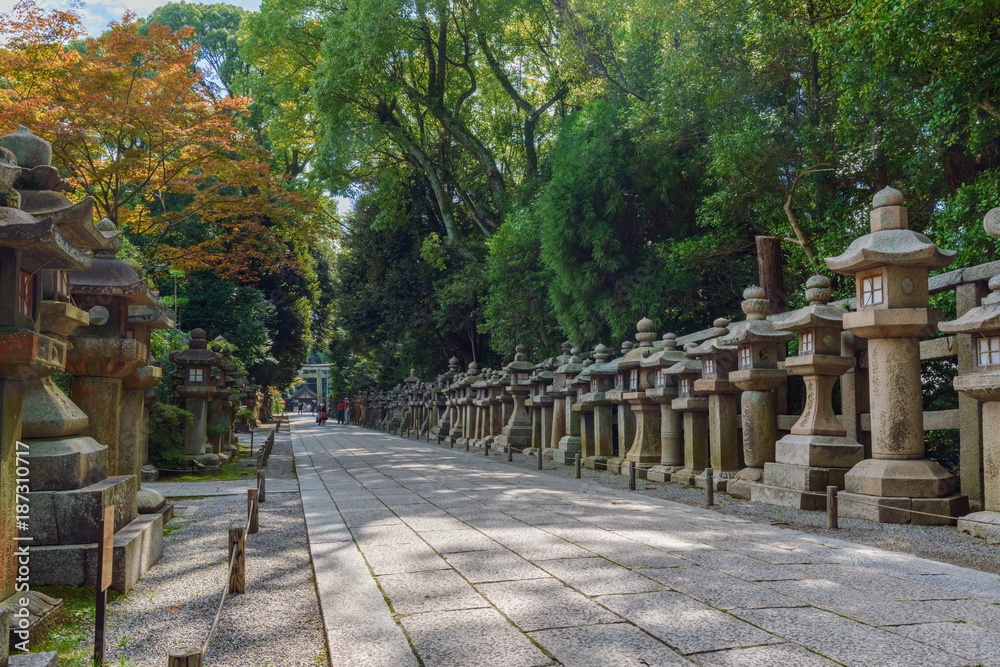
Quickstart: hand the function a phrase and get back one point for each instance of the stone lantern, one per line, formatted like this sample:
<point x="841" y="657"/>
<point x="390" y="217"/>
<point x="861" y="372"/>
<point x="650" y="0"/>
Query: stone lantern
<point x="541" y="405"/>
<point x="663" y="391"/>
<point x="446" y="419"/>
<point x="42" y="245"/>
<point x="565" y="449"/>
<point x="717" y="360"/>
<point x="481" y="392"/>
<point x="517" y="432"/>
<point x="693" y="407"/>
<point x="817" y="452"/>
<point x="558" y="400"/>
<point x="465" y="395"/>
<point x="891" y="266"/>
<point x="983" y="384"/>
<point x="759" y="346"/>
<point x="197" y="389"/>
<point x="602" y="376"/>
<point x="580" y="386"/>
<point x="624" y="416"/>
<point x="137" y="389"/>
<point x="409" y="423"/>
<point x="645" y="446"/>
<point x="493" y="409"/>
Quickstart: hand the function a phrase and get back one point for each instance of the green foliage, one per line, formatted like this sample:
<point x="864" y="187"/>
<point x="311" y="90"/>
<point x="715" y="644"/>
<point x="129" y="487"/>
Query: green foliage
<point x="167" y="424"/>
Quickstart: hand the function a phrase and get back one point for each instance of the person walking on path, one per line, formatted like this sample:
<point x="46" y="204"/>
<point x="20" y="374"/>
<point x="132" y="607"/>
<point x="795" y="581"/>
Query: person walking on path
<point x="340" y="412"/>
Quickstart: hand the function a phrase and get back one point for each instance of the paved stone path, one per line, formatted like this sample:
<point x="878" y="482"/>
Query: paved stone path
<point x="227" y="487"/>
<point x="460" y="560"/>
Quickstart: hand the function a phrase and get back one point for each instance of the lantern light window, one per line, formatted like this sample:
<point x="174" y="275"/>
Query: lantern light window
<point x="871" y="290"/>
<point x="989" y="351"/>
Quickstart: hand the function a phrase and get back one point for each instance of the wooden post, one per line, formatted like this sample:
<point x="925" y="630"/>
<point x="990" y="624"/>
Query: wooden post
<point x="466" y="444"/>
<point x="237" y="572"/>
<point x="631" y="475"/>
<point x="184" y="657"/>
<point x="252" y="510"/>
<point x="486" y="448"/>
<point x="579" y="461"/>
<point x="709" y="488"/>
<point x="105" y="552"/>
<point x="769" y="272"/>
<point x="831" y="508"/>
<point x="510" y="453"/>
<point x="261" y="485"/>
<point x="539" y="454"/>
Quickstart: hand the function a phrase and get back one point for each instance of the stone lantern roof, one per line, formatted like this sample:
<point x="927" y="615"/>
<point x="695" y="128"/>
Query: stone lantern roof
<point x="572" y="366"/>
<point x="980" y="319"/>
<point x="757" y="328"/>
<point x="197" y="352"/>
<point x="890" y="241"/>
<point x="645" y="335"/>
<point x="819" y="313"/>
<point x="40" y="242"/>
<point x="668" y="355"/>
<point x="713" y="345"/>
<point x="38" y="184"/>
<point x="412" y="378"/>
<point x="114" y="277"/>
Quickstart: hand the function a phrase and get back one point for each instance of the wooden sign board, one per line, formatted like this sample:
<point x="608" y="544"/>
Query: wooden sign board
<point x="107" y="546"/>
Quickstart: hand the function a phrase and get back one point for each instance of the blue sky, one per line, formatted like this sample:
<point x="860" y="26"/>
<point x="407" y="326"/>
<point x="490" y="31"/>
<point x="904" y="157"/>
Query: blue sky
<point x="96" y="14"/>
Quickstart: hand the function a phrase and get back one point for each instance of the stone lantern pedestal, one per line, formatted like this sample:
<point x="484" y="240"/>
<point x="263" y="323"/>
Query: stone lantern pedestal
<point x="645" y="449"/>
<point x="600" y="448"/>
<point x="817" y="452"/>
<point x="443" y="427"/>
<point x="891" y="267"/>
<point x="759" y="346"/>
<point x="693" y="407"/>
<point x="196" y="390"/>
<point x="516" y="433"/>
<point x="558" y="430"/>
<point x="717" y="362"/>
<point x="541" y="405"/>
<point x="625" y="418"/>
<point x="663" y="392"/>
<point x="564" y="393"/>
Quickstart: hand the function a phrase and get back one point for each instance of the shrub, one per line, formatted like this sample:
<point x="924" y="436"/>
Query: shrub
<point x="167" y="425"/>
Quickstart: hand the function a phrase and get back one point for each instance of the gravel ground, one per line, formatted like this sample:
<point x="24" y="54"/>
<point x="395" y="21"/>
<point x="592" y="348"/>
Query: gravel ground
<point x="276" y="623"/>
<point x="941" y="543"/>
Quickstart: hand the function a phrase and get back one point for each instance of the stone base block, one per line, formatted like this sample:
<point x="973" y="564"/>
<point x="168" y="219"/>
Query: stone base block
<point x="58" y="464"/>
<point x="661" y="473"/>
<point x="43" y="614"/>
<point x="985" y="525"/>
<point x="739" y="487"/>
<point x="150" y="473"/>
<point x="720" y="479"/>
<point x="798" y="499"/>
<point x="896" y="510"/>
<point x="900" y="479"/>
<point x="803" y="478"/>
<point x="686" y="476"/>
<point x="50" y="659"/>
<point x="137" y="547"/>
<point x="596" y="462"/>
<point x="70" y="517"/>
<point x="616" y="464"/>
<point x="820" y="451"/>
<point x="565" y="457"/>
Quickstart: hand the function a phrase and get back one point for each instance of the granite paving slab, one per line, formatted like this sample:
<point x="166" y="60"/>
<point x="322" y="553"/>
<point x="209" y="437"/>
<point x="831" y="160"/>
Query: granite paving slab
<point x="471" y="638"/>
<point x="685" y="625"/>
<point x="457" y="541"/>
<point x="538" y="604"/>
<point x="494" y="565"/>
<point x="875" y="582"/>
<point x="973" y="642"/>
<point x="720" y="590"/>
<point x="401" y="558"/>
<point x="606" y="646"/>
<point x="854" y="604"/>
<point x="433" y="590"/>
<point x="976" y="612"/>
<point x="597" y="576"/>
<point x="743" y="567"/>
<point x="776" y="655"/>
<point x="847" y="641"/>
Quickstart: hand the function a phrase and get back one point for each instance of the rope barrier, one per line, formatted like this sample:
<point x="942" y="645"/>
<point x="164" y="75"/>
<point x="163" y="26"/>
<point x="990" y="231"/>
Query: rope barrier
<point x="225" y="589"/>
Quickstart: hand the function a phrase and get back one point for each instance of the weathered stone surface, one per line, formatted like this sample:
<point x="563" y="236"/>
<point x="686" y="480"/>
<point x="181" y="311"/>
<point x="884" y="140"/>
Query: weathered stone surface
<point x="149" y="501"/>
<point x="604" y="645"/>
<point x="78" y="511"/>
<point x="49" y="659"/>
<point x="900" y="478"/>
<point x="48" y="412"/>
<point x="66" y="463"/>
<point x="824" y="451"/>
